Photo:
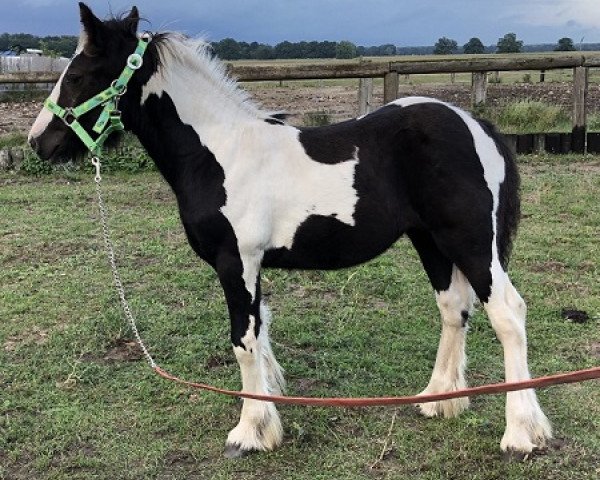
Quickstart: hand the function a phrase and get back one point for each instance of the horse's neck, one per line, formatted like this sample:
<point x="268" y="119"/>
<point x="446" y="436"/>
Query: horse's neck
<point x="203" y="97"/>
<point x="185" y="110"/>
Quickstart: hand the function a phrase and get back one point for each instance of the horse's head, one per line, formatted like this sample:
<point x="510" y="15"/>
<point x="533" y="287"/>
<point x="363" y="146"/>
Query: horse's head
<point x="100" y="57"/>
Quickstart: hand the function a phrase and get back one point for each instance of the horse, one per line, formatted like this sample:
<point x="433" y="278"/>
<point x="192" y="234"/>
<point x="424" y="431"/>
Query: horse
<point x="255" y="192"/>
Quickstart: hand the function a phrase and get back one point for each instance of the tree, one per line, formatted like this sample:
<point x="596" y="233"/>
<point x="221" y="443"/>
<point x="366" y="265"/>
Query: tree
<point x="474" y="46"/>
<point x="345" y="49"/>
<point x="227" y="49"/>
<point x="263" y="52"/>
<point x="445" y="46"/>
<point x="565" y="44"/>
<point x="46" y="50"/>
<point x="509" y="44"/>
<point x="285" y="49"/>
<point x="387" y="50"/>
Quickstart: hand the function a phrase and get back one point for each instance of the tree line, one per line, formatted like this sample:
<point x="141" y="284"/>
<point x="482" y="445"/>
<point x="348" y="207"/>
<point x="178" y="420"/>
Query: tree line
<point x="231" y="49"/>
<point x="507" y="44"/>
<point x="227" y="49"/>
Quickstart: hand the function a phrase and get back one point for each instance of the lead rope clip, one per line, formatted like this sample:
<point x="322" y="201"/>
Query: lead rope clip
<point x="96" y="163"/>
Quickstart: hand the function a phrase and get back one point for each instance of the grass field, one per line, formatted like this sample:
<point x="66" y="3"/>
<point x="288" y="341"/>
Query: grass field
<point x="78" y="402"/>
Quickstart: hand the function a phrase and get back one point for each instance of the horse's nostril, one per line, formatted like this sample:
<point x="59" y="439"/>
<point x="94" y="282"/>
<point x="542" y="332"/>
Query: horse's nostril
<point x="33" y="143"/>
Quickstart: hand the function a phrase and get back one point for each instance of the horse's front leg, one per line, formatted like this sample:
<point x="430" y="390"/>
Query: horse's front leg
<point x="259" y="427"/>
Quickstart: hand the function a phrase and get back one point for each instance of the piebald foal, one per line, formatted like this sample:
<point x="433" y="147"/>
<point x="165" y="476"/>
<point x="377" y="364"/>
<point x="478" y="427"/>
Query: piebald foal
<point x="254" y="193"/>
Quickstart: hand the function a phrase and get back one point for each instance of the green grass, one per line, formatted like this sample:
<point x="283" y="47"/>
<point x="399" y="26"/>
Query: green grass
<point x="76" y="402"/>
<point x="532" y="117"/>
<point x="13" y="140"/>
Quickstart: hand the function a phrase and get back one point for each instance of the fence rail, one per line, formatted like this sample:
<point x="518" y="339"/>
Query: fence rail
<point x="478" y="65"/>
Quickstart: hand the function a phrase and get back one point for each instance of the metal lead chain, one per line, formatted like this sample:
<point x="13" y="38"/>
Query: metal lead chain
<point x="110" y="252"/>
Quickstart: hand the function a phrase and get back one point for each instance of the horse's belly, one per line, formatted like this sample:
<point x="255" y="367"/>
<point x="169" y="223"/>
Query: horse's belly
<point x="327" y="243"/>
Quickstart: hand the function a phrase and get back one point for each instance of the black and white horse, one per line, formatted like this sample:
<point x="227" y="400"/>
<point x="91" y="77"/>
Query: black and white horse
<point x="254" y="193"/>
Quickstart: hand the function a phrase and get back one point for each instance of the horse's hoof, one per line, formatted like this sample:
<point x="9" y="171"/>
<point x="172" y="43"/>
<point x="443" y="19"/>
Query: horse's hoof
<point x="512" y="455"/>
<point x="234" y="450"/>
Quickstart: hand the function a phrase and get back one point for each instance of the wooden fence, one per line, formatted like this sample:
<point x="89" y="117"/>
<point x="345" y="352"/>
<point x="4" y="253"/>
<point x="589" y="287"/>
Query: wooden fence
<point x="365" y="70"/>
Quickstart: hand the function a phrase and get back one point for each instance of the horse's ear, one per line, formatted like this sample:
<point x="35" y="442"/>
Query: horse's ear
<point x="92" y="29"/>
<point x="133" y="19"/>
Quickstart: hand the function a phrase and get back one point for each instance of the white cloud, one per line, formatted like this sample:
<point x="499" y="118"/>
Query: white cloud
<point x="558" y="13"/>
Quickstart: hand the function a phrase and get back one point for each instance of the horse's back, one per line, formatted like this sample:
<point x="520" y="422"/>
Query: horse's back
<point x="420" y="167"/>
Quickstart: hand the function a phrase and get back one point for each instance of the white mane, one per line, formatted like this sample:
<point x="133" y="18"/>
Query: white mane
<point x="195" y="56"/>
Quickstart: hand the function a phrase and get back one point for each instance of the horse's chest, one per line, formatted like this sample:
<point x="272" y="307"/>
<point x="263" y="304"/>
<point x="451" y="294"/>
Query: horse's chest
<point x="267" y="206"/>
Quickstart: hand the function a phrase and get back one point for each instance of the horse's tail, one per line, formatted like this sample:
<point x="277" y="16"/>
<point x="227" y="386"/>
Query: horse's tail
<point x="509" y="203"/>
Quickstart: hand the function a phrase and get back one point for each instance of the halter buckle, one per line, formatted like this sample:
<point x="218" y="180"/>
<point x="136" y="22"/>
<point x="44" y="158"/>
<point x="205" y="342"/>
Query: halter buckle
<point x="69" y="117"/>
<point x="119" y="87"/>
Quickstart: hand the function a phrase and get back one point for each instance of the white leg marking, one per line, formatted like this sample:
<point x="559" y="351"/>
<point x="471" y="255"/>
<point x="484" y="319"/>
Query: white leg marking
<point x="448" y="372"/>
<point x="259" y="427"/>
<point x="276" y="381"/>
<point x="526" y="425"/>
<point x="251" y="267"/>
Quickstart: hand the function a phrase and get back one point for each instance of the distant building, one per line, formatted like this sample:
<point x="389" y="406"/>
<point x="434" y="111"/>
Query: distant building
<point x="32" y="52"/>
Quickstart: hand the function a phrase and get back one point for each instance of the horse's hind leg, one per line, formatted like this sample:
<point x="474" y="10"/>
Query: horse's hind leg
<point x="526" y="425"/>
<point x="454" y="297"/>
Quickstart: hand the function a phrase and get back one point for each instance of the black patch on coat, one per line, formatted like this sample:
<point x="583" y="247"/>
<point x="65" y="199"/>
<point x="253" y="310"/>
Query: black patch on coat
<point x="274" y="121"/>
<point x="277" y="118"/>
<point x="465" y="318"/>
<point x="433" y="188"/>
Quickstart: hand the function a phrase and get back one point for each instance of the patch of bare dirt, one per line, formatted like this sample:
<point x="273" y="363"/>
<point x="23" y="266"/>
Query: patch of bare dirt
<point x="548" y="266"/>
<point x="68" y="459"/>
<point x="121" y="350"/>
<point x="217" y="361"/>
<point x="47" y="253"/>
<point x="185" y="464"/>
<point x="35" y="335"/>
<point x="595" y="350"/>
<point x="305" y="386"/>
<point x="17" y="117"/>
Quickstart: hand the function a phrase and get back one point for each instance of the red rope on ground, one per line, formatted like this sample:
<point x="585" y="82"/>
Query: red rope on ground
<point x="559" y="378"/>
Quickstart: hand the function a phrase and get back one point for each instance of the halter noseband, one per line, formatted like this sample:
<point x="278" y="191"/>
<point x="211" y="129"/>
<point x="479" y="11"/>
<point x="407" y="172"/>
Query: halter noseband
<point x="109" y="120"/>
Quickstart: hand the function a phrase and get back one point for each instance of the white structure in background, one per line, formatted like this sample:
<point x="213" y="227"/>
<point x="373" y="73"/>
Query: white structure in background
<point x="30" y="61"/>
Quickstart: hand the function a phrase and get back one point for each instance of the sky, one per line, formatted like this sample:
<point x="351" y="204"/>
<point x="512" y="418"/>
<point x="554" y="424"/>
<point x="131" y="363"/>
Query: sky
<point x="400" y="22"/>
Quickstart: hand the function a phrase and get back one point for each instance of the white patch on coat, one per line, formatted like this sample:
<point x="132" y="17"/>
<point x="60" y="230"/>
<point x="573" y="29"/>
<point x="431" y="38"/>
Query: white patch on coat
<point x="45" y="116"/>
<point x="272" y="185"/>
<point x="491" y="160"/>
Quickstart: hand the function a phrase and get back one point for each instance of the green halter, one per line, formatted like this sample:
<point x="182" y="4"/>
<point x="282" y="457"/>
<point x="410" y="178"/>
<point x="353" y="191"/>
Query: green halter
<point x="109" y="120"/>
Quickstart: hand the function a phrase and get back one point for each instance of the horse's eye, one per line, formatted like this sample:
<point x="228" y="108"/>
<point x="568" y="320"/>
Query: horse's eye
<point x="73" y="78"/>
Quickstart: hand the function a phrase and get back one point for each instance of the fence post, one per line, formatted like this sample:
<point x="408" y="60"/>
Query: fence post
<point x="479" y="90"/>
<point x="365" y="96"/>
<point x="390" y="87"/>
<point x="580" y="87"/>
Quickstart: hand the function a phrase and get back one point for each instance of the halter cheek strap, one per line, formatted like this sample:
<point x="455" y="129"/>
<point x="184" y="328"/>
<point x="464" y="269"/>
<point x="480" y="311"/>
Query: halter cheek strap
<point x="109" y="120"/>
